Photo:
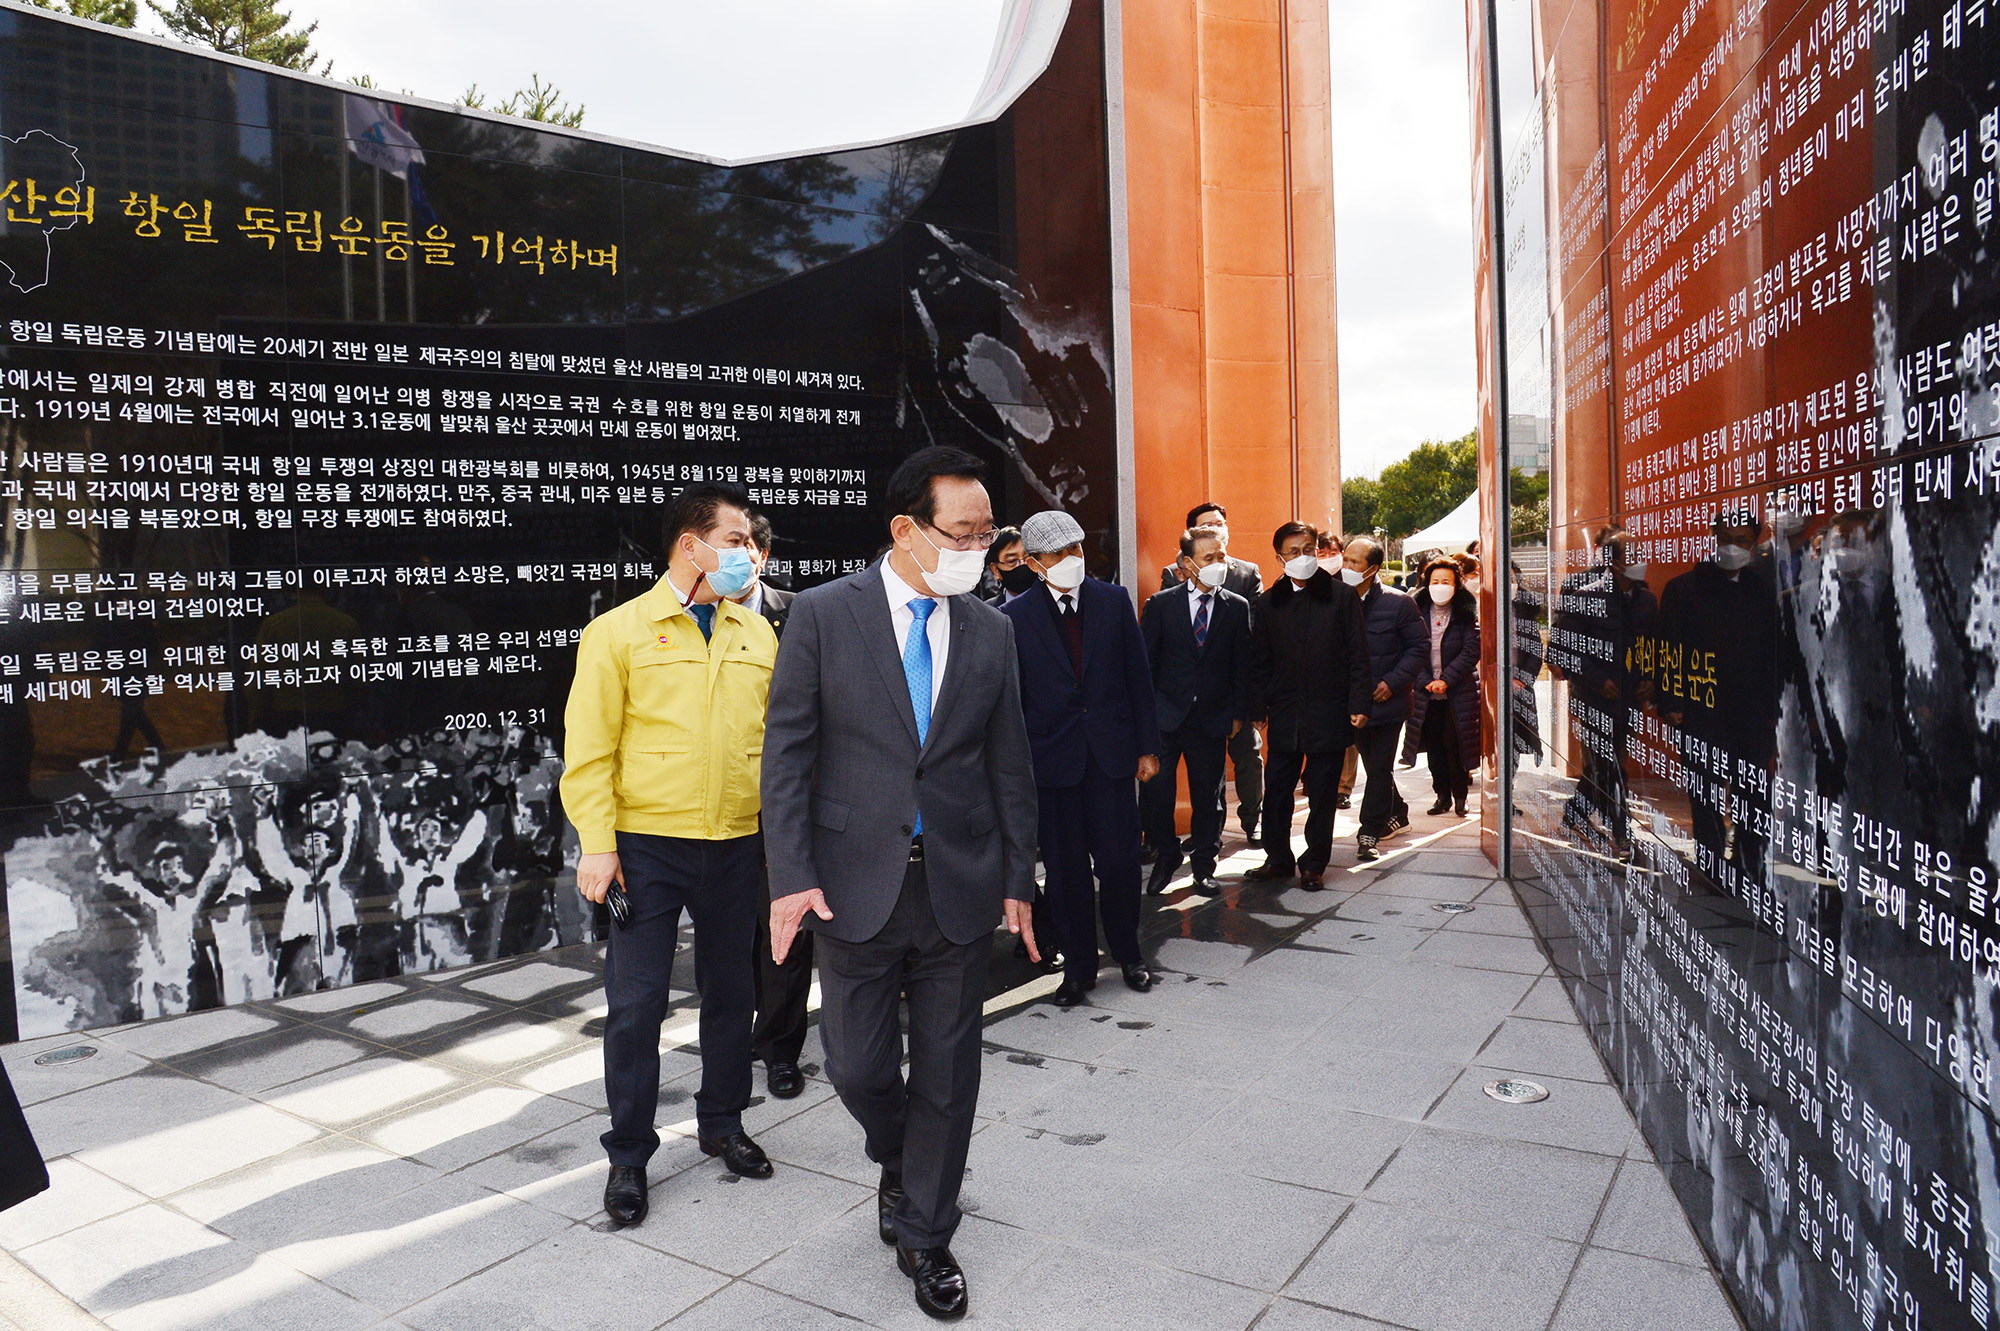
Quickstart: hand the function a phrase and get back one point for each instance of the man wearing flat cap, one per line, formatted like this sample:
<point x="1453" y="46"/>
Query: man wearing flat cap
<point x="1087" y="693"/>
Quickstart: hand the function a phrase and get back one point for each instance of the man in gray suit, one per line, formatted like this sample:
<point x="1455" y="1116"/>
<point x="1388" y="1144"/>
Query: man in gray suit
<point x="899" y="825"/>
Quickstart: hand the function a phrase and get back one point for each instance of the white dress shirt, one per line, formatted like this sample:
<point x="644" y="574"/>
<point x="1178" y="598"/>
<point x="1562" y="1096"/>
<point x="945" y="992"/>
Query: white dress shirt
<point x="1075" y="595"/>
<point x="1195" y="592"/>
<point x="938" y="629"/>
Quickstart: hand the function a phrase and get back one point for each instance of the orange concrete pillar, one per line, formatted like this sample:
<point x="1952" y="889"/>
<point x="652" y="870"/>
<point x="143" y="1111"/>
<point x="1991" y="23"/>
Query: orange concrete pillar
<point x="1229" y="216"/>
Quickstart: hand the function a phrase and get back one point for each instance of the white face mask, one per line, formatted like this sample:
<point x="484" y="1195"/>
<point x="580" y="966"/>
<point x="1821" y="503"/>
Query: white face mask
<point x="1732" y="557"/>
<point x="1472" y="585"/>
<point x="1066" y="574"/>
<point x="1298" y="570"/>
<point x="1634" y="570"/>
<point x="1331" y="564"/>
<point x="958" y="571"/>
<point x="1352" y="577"/>
<point x="1213" y="576"/>
<point x="1442" y="592"/>
<point x="1849" y="559"/>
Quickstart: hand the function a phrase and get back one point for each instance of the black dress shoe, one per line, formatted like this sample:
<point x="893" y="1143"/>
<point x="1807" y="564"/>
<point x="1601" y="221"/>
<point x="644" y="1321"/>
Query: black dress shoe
<point x="742" y="1155"/>
<point x="1268" y="872"/>
<point x="1147" y="854"/>
<point x="1068" y="994"/>
<point x="1250" y="838"/>
<point x="888" y="1195"/>
<point x="1344" y="802"/>
<point x="939" y="1282"/>
<point x="1138" y="977"/>
<point x="1205" y="887"/>
<point x="625" y="1195"/>
<point x="1311" y="881"/>
<point x="1164" y="869"/>
<point x="1459" y="808"/>
<point x="1442" y="806"/>
<point x="784" y="1079"/>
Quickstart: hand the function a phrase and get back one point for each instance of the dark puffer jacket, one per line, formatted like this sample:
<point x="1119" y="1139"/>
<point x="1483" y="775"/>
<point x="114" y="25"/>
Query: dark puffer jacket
<point x="1309" y="668"/>
<point x="1399" y="645"/>
<point x="1459" y="653"/>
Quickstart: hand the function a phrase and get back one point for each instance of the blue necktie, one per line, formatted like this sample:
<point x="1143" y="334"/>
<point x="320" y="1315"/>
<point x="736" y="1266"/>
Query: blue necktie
<point x="704" y="615"/>
<point x="1201" y="622"/>
<point x="917" y="670"/>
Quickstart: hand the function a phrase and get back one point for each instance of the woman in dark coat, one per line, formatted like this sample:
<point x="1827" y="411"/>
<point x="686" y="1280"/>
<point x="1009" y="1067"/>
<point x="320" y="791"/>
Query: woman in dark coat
<point x="1447" y="706"/>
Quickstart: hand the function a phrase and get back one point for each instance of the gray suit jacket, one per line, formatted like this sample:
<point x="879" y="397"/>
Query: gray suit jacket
<point x="843" y="776"/>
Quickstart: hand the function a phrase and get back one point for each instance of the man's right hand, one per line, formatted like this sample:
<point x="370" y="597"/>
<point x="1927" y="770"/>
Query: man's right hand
<point x="787" y="912"/>
<point x="1382" y="691"/>
<point x="596" y="873"/>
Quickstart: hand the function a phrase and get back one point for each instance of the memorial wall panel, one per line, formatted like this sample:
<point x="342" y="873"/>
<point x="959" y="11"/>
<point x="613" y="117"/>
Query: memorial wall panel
<point x="1754" y="630"/>
<point x="329" y="424"/>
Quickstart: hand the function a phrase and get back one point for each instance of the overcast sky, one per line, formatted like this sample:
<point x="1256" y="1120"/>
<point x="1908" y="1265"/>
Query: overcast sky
<point x="1403" y="213"/>
<point x="736" y="78"/>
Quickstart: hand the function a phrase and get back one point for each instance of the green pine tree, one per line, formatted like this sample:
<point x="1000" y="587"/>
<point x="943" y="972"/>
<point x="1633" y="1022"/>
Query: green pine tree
<point x="112" y="13"/>
<point x="256" y="29"/>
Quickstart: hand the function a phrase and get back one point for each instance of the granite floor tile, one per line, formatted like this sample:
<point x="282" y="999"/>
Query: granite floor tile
<point x="411" y="1246"/>
<point x="526" y="983"/>
<point x="458" y="1129"/>
<point x="187" y="1140"/>
<point x="578" y="1280"/>
<point x="1291" y="1315"/>
<point x="564" y="1171"/>
<point x="273" y="1059"/>
<point x="1376" y="1081"/>
<point x="1045" y="1182"/>
<point x="1385" y="1262"/>
<point x="1277" y="1009"/>
<point x="827" y="1140"/>
<point x="305" y="1189"/>
<point x="1317" y="971"/>
<point x="1493" y="952"/>
<point x="1453" y="988"/>
<point x="1080" y="1034"/>
<point x="1643" y="1218"/>
<point x="361" y="1091"/>
<point x="1363" y="938"/>
<point x="35" y="1082"/>
<point x="1292" y="1142"/>
<point x="132" y="1258"/>
<point x="1133" y="1111"/>
<point x="1556" y="1049"/>
<point x="77" y="1196"/>
<point x="1217" y="1222"/>
<point x="1579" y="1115"/>
<point x="741" y="1305"/>
<point x="490" y="1047"/>
<point x="1547" y="1001"/>
<point x="1508" y="1185"/>
<point x="265" y="1295"/>
<point x="1452" y="1035"/>
<point x="414" y="1018"/>
<point x="709" y="1216"/>
<point x="1195" y="956"/>
<point x="1191" y="1051"/>
<point x="1084" y="1289"/>
<point x="176" y="1036"/>
<point x="1615" y="1291"/>
<point x="331" y="1002"/>
<point x="845" y="1267"/>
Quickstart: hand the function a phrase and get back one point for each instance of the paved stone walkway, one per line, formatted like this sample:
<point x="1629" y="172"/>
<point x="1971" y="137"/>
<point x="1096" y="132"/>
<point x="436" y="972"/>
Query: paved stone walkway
<point x="1289" y="1133"/>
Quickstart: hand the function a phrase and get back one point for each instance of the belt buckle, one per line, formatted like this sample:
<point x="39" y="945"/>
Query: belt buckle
<point x="917" y="849"/>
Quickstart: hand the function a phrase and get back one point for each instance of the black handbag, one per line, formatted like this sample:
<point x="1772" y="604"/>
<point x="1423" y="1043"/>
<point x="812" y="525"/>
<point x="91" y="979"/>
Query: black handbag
<point x="22" y="1173"/>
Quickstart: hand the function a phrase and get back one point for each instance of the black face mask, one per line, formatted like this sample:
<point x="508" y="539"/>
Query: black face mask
<point x="1018" y="578"/>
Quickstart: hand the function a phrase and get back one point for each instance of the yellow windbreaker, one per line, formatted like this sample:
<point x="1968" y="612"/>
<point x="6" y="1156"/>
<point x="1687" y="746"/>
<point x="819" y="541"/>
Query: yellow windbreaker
<point x="666" y="731"/>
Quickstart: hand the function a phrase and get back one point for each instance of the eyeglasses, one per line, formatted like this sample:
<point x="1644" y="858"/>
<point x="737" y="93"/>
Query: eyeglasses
<point x="977" y="541"/>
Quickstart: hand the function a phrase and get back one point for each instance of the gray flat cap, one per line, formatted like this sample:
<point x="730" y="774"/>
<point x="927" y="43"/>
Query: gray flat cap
<point x="1051" y="529"/>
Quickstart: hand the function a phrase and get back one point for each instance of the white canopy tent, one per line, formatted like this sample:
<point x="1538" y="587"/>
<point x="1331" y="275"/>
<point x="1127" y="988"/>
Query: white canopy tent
<point x="1450" y="533"/>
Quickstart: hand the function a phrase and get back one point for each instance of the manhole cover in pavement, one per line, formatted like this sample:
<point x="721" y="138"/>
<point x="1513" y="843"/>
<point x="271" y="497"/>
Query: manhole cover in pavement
<point x="1454" y="907"/>
<point x="69" y="1055"/>
<point x="1512" y="1092"/>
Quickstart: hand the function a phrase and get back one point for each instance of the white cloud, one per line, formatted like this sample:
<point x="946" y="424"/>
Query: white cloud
<point x="1403" y="213"/>
<point x="728" y="78"/>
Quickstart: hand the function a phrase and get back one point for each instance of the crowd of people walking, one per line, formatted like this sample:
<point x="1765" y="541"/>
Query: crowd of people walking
<point x="876" y="791"/>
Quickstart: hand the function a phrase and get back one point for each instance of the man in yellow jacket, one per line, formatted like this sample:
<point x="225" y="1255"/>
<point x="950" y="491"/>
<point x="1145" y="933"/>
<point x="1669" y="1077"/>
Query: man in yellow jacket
<point x="665" y="737"/>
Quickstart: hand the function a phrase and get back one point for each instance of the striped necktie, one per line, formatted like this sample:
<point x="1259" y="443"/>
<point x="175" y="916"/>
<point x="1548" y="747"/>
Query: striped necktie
<point x="1201" y="621"/>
